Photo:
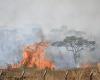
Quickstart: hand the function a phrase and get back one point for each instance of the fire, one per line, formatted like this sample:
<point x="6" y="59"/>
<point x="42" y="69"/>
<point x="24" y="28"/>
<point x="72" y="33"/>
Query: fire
<point x="34" y="56"/>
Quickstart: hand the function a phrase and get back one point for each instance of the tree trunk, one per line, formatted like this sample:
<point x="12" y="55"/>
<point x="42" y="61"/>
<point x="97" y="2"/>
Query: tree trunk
<point x="76" y="58"/>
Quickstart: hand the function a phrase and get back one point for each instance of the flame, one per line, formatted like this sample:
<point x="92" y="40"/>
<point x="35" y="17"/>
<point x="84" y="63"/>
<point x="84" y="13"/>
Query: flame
<point x="34" y="56"/>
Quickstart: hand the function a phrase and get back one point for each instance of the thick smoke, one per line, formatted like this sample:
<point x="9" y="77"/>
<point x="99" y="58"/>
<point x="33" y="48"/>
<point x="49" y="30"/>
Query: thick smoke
<point x="62" y="56"/>
<point x="13" y="40"/>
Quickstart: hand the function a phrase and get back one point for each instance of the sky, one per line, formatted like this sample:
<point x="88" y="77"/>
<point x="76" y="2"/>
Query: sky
<point x="81" y="15"/>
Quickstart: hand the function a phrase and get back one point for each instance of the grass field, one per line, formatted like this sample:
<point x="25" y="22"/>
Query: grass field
<point x="34" y="74"/>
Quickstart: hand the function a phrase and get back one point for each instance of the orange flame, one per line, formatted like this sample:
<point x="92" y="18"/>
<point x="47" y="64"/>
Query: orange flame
<point x="34" y="56"/>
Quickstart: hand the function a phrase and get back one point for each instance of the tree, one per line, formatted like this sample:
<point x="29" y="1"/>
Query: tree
<point x="75" y="45"/>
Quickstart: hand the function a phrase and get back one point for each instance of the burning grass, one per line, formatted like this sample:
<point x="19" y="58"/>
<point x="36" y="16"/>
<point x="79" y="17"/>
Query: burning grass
<point x="34" y="66"/>
<point x="34" y="56"/>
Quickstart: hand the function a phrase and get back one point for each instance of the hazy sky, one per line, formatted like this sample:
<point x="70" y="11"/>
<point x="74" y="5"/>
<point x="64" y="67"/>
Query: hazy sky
<point x="76" y="14"/>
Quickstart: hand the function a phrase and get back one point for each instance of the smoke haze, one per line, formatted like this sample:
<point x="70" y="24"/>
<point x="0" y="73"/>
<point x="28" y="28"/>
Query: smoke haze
<point x="26" y="21"/>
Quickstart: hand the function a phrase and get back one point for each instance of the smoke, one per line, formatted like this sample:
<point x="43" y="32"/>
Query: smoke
<point x="49" y="16"/>
<point x="13" y="40"/>
<point x="62" y="56"/>
<point x="79" y="15"/>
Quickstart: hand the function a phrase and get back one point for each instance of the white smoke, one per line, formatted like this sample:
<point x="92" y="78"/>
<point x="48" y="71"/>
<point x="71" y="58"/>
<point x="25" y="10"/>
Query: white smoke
<point x="14" y="39"/>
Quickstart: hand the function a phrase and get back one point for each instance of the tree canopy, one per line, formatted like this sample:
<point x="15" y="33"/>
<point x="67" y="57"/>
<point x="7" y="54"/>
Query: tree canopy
<point x="76" y="45"/>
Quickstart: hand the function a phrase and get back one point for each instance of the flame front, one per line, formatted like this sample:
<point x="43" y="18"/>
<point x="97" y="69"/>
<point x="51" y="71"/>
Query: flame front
<point x="34" y="56"/>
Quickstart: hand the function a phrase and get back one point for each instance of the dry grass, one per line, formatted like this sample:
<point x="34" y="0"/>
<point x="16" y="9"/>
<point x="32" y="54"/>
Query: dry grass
<point x="33" y="74"/>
